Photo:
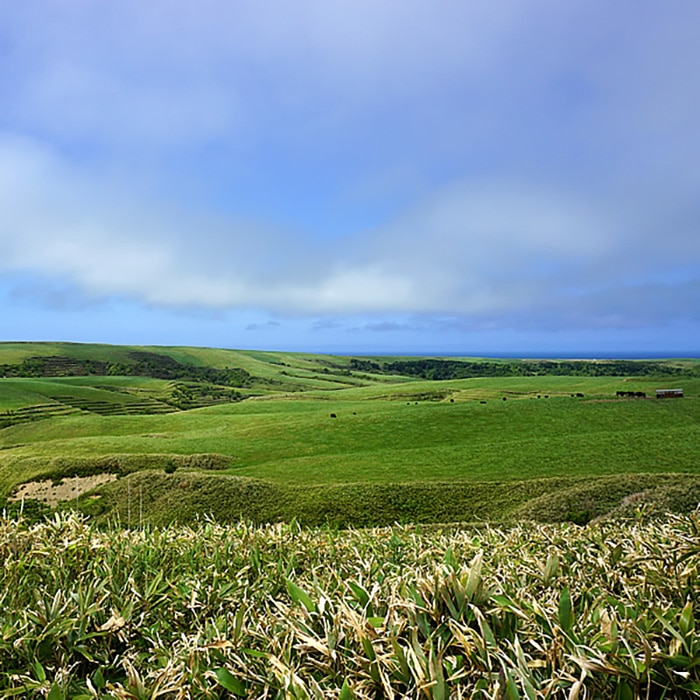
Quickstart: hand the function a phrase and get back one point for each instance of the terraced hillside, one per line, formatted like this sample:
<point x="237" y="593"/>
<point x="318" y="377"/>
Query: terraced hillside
<point x="44" y="399"/>
<point x="35" y="412"/>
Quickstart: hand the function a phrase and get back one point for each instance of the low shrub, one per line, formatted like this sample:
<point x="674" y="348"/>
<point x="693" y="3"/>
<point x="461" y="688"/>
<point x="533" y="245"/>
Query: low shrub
<point x="536" y="611"/>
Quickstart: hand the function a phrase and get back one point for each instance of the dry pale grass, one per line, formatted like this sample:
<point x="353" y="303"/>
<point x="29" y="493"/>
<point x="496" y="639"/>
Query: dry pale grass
<point x="283" y="612"/>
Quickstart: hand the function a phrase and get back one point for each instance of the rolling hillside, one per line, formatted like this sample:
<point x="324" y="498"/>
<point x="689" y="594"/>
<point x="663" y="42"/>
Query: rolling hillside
<point x="343" y="439"/>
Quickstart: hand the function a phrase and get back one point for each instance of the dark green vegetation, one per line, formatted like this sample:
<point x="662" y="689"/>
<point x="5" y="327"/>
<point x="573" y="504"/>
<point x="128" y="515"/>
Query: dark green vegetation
<point x="347" y="441"/>
<point x="554" y="611"/>
<point x="462" y="369"/>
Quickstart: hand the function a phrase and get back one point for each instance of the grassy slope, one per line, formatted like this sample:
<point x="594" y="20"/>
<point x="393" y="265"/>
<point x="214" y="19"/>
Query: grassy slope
<point x="185" y="496"/>
<point x="35" y="390"/>
<point x="296" y="441"/>
<point x="385" y="432"/>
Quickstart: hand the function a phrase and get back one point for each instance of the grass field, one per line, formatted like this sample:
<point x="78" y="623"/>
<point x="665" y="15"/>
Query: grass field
<point x="391" y="439"/>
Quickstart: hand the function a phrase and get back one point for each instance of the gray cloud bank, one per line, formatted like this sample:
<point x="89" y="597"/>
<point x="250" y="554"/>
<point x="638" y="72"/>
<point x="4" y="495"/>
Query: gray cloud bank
<point x="551" y="153"/>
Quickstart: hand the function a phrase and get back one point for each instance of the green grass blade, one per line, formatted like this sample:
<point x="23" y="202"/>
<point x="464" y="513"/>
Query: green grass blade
<point x="227" y="680"/>
<point x="299" y="595"/>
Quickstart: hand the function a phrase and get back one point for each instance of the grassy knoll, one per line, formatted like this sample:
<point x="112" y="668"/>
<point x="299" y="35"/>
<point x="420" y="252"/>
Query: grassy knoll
<point x="158" y="498"/>
<point x="317" y="440"/>
<point x="606" y="611"/>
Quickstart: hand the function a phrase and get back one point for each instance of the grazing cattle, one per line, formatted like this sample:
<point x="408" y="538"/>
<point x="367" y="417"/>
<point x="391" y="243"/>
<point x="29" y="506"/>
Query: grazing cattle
<point x="505" y="398"/>
<point x="333" y="415"/>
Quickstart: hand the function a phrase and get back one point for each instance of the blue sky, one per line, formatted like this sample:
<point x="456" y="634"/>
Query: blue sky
<point x="508" y="176"/>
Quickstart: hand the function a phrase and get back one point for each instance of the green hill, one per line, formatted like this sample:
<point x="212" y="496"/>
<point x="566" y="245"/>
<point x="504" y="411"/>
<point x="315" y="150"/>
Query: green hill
<point x="346" y="439"/>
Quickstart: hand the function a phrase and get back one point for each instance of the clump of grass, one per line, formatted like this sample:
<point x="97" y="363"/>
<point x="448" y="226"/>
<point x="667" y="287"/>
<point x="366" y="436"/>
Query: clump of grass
<point x="129" y="463"/>
<point x="536" y="611"/>
<point x="622" y="495"/>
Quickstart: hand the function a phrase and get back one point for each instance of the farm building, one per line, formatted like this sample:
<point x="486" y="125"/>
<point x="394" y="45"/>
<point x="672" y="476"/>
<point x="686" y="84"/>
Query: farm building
<point x="669" y="393"/>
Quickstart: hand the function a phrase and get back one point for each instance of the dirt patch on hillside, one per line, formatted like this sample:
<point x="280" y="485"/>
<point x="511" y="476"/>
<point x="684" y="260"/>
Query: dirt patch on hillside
<point x="68" y="489"/>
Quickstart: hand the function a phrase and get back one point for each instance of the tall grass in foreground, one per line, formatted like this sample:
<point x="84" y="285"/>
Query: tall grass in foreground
<point x="209" y="611"/>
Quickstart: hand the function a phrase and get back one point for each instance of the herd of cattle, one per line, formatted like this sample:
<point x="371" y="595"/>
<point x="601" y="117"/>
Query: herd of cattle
<point x="660" y="393"/>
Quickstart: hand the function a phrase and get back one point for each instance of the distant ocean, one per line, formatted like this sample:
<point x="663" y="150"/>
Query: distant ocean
<point x="545" y="354"/>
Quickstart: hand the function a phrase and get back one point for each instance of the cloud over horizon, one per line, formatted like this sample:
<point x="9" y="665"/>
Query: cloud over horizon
<point x="502" y="165"/>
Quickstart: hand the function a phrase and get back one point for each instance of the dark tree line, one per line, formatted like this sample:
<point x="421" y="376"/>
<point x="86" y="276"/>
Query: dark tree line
<point x="464" y="369"/>
<point x="139" y="364"/>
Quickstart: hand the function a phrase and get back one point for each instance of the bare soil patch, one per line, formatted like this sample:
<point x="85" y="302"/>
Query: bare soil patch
<point x="68" y="489"/>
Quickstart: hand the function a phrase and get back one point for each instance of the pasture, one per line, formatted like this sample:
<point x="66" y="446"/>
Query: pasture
<point x="303" y="435"/>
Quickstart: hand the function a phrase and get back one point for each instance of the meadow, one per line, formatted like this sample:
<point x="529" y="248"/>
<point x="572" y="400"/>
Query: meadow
<point x="336" y="440"/>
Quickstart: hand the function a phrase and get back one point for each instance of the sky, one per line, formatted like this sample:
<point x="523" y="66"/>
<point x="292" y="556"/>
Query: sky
<point x="474" y="177"/>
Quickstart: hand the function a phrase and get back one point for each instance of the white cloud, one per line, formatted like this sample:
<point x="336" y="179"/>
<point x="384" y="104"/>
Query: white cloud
<point x="475" y="249"/>
<point x="481" y="248"/>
